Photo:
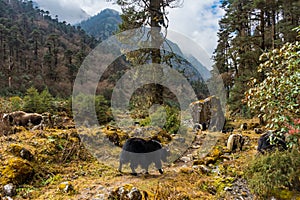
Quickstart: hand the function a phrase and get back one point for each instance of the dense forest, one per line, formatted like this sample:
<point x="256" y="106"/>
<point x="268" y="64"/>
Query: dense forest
<point x="38" y="51"/>
<point x="248" y="29"/>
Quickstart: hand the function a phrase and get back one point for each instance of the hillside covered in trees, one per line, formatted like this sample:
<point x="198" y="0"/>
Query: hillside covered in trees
<point x="102" y="25"/>
<point x="38" y="51"/>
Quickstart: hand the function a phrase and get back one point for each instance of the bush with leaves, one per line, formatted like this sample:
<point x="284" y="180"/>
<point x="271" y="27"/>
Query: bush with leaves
<point x="166" y="117"/>
<point x="84" y="109"/>
<point x="37" y="102"/>
<point x="272" y="174"/>
<point x="276" y="99"/>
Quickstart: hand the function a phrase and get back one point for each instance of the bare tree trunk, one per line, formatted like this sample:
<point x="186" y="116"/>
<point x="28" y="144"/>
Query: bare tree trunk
<point x="156" y="40"/>
<point x="262" y="29"/>
<point x="273" y="28"/>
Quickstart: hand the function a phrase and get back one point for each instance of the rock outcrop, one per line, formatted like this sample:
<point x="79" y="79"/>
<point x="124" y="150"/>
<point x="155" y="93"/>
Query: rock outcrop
<point x="208" y="111"/>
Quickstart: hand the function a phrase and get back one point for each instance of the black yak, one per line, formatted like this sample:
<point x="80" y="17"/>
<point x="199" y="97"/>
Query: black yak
<point x="138" y="151"/>
<point x="264" y="143"/>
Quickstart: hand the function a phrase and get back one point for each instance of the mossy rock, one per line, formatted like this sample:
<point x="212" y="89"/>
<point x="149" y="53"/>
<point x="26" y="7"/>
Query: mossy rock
<point x="20" y="151"/>
<point x="18" y="129"/>
<point x="186" y="170"/>
<point x="210" y="160"/>
<point x="206" y="161"/>
<point x="162" y="136"/>
<point x="115" y="135"/>
<point x="18" y="171"/>
<point x="198" y="162"/>
<point x="221" y="182"/>
<point x="15" y="149"/>
<point x="216" y="152"/>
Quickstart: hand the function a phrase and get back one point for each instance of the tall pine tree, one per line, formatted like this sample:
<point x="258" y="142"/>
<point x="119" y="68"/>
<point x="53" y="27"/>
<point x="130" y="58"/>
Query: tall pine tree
<point x="248" y="29"/>
<point x="152" y="16"/>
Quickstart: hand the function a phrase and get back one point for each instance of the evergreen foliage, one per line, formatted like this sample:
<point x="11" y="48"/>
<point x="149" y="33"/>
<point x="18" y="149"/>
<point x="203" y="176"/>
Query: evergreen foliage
<point x="31" y="45"/>
<point x="37" y="102"/>
<point x="248" y="29"/>
<point x="102" y="25"/>
<point x="276" y="98"/>
<point x="89" y="104"/>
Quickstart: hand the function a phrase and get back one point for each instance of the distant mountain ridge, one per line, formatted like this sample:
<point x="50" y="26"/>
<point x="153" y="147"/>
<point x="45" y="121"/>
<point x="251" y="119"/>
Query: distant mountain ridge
<point x="102" y="25"/>
<point x="105" y="24"/>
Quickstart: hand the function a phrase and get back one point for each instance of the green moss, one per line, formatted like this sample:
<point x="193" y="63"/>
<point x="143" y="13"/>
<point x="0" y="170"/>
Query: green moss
<point x="52" y="180"/>
<point x="15" y="149"/>
<point x="283" y="194"/>
<point x="220" y="183"/>
<point x="18" y="171"/>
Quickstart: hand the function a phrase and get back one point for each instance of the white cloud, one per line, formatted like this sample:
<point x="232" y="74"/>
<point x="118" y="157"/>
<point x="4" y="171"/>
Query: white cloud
<point x="196" y="19"/>
<point x="74" y="11"/>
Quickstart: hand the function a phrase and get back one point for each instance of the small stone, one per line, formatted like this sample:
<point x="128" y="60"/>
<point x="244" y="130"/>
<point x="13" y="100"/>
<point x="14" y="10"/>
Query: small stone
<point x="258" y="130"/>
<point x="127" y="191"/>
<point x="185" y="159"/>
<point x="7" y="198"/>
<point x="26" y="154"/>
<point x="244" y="193"/>
<point x="9" y="190"/>
<point x="180" y="139"/>
<point x="204" y="169"/>
<point x="134" y="194"/>
<point x="228" y="189"/>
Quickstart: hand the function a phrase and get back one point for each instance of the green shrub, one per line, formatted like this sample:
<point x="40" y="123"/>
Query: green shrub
<point x="268" y="175"/>
<point x="37" y="102"/>
<point x="16" y="103"/>
<point x="31" y="100"/>
<point x="165" y="117"/>
<point x="276" y="98"/>
<point x="5" y="105"/>
<point x="85" y="106"/>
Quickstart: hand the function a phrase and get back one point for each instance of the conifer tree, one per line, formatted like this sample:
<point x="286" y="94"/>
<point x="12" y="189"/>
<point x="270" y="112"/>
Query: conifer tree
<point x="153" y="14"/>
<point x="248" y="29"/>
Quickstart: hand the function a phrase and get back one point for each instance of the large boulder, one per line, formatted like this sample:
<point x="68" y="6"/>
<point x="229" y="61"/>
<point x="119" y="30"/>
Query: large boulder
<point x="208" y="111"/>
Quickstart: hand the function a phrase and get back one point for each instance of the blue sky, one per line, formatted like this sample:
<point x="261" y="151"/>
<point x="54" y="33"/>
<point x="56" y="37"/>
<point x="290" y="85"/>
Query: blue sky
<point x="196" y="19"/>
